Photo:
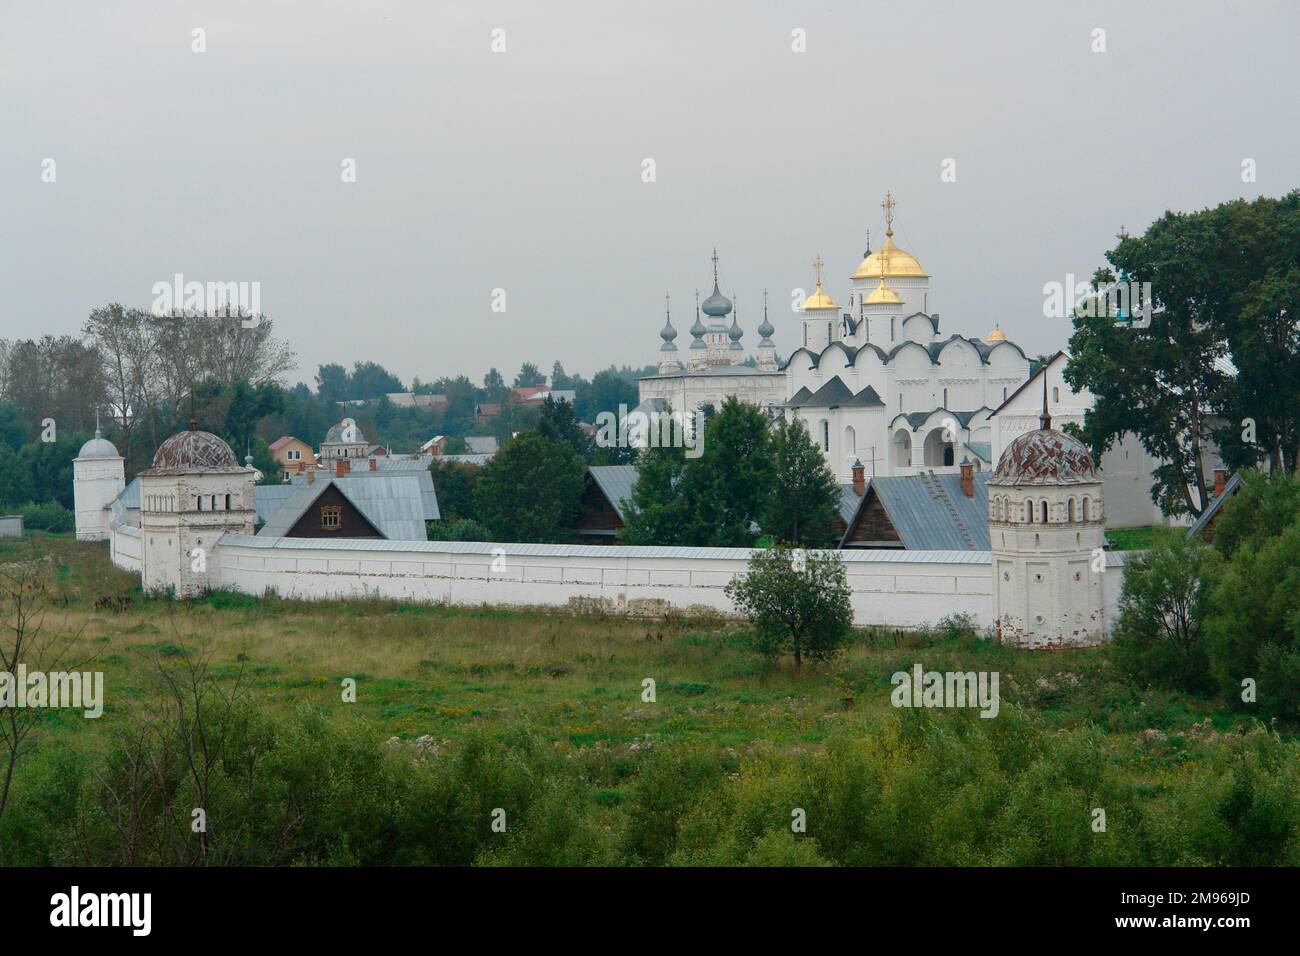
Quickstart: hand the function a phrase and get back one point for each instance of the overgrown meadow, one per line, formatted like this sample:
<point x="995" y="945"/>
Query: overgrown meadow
<point x="483" y="736"/>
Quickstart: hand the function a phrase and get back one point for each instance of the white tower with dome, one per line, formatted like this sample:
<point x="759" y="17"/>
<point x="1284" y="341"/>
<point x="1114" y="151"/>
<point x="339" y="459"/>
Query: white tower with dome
<point x="98" y="477"/>
<point x="1045" y="530"/>
<point x="195" y="492"/>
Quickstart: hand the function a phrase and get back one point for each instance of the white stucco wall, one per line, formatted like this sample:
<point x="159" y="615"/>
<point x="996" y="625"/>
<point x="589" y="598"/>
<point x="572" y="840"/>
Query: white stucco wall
<point x="889" y="588"/>
<point x="125" y="547"/>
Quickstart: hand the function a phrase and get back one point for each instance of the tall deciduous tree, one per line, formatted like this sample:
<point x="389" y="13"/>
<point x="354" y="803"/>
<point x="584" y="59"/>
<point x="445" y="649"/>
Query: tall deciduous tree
<point x="1225" y="283"/>
<point x="530" y="490"/>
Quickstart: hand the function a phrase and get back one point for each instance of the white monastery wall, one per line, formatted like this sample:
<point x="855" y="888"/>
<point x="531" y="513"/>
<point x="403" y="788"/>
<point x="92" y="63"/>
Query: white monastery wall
<point x="125" y="547"/>
<point x="889" y="588"/>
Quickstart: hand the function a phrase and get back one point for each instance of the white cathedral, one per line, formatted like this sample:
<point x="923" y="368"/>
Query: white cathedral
<point x="875" y="381"/>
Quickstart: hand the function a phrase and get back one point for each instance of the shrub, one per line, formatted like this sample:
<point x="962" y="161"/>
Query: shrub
<point x="798" y="602"/>
<point x="48" y="516"/>
<point x="1158" y="637"/>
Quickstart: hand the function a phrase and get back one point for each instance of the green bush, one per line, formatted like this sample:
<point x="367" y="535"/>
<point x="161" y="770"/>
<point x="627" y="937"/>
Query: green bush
<point x="48" y="516"/>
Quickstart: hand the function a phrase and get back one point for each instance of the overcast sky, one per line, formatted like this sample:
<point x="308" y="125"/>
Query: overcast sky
<point x="522" y="170"/>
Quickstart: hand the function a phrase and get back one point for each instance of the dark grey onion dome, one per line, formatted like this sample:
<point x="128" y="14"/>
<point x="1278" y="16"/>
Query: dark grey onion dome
<point x="668" y="333"/>
<point x="716" y="305"/>
<point x="192" y="451"/>
<point x="698" y="330"/>
<point x="735" y="334"/>
<point x="338" y="433"/>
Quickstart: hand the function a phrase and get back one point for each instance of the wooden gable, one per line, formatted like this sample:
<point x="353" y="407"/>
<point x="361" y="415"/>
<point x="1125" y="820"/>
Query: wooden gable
<point x="597" y="517"/>
<point x="333" y="515"/>
<point x="871" y="526"/>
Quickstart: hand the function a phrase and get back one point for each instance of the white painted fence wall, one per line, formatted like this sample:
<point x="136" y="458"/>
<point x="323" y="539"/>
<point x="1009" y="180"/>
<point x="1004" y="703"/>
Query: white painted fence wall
<point x="889" y="588"/>
<point x="125" y="547"/>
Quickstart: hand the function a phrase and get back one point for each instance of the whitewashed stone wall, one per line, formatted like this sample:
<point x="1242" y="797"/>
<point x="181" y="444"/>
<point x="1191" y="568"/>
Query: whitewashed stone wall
<point x="125" y="547"/>
<point x="889" y="588"/>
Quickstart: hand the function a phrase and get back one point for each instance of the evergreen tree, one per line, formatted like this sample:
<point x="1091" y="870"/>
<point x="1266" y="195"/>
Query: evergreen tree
<point x="803" y="494"/>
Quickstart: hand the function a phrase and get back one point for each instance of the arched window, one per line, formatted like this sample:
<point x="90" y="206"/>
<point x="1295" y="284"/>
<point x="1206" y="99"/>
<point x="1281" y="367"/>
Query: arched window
<point x="198" y="503"/>
<point x="1029" y="512"/>
<point x="826" y="435"/>
<point x="1086" y="510"/>
<point x="850" y="441"/>
<point x="1070" y="511"/>
<point x="1044" y="512"/>
<point x="891" y="328"/>
<point x="227" y="502"/>
<point x="1004" y="393"/>
<point x="1056" y="394"/>
<point x="945" y="398"/>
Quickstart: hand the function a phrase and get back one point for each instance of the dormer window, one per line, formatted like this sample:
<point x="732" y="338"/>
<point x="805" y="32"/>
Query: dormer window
<point x="331" y="517"/>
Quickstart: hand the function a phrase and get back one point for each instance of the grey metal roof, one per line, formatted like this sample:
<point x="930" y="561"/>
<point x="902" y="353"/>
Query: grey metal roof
<point x="615" y="483"/>
<point x="465" y="459"/>
<point x="831" y="395"/>
<point x="799" y="398"/>
<point x="930" y="512"/>
<point x="392" y="503"/>
<point x="1212" y="509"/>
<point x="128" y="497"/>
<point x="917" y="419"/>
<point x="489" y="548"/>
<point x="399" y="468"/>
<point x="482" y="444"/>
<point x="849" y="501"/>
<point x="267" y="499"/>
<point x="867" y="398"/>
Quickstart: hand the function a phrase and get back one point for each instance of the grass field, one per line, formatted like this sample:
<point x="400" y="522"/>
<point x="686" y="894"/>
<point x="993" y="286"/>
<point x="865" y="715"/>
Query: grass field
<point x="575" y="682"/>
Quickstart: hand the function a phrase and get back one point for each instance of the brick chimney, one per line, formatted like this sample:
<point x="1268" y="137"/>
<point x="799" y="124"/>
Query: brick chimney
<point x="859" y="478"/>
<point x="1220" y="480"/>
<point x="302" y="466"/>
<point x="374" y="465"/>
<point x="968" y="479"/>
<point x="341" y="467"/>
<point x="311" y="476"/>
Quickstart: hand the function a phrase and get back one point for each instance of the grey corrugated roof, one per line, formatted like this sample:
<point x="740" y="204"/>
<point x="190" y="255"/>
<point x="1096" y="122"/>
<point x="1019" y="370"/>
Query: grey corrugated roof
<point x="849" y="501"/>
<point x="482" y="444"/>
<point x="400" y="468"/>
<point x="267" y="499"/>
<point x="466" y="459"/>
<point x="1229" y="489"/>
<point x="616" y="483"/>
<point x="488" y="548"/>
<point x="128" y="497"/>
<point x="930" y="512"/>
<point x="392" y="503"/>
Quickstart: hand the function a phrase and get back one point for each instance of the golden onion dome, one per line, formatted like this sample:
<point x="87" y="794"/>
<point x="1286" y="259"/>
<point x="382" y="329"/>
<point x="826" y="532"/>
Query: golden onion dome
<point x="883" y="295"/>
<point x="819" y="300"/>
<point x="997" y="335"/>
<point x="890" y="262"/>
